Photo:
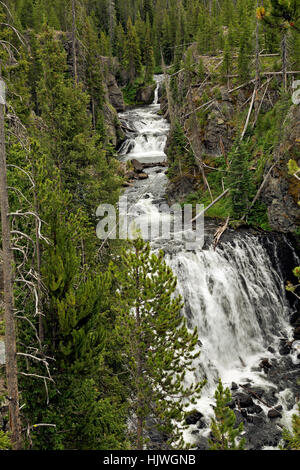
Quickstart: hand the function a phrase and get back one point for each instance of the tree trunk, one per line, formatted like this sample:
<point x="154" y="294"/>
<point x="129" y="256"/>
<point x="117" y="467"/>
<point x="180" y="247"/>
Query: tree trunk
<point x="38" y="268"/>
<point x="10" y="328"/>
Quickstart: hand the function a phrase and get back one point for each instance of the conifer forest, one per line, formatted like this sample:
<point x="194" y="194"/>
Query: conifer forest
<point x="150" y="225"/>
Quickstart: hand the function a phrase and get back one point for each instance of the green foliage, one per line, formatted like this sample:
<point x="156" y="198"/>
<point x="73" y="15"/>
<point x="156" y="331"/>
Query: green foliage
<point x="56" y="132"/>
<point x="293" y="167"/>
<point x="157" y="348"/>
<point x="5" y="443"/>
<point x="225" y="434"/>
<point x="239" y="180"/>
<point x="180" y="159"/>
<point x="294" y="288"/>
<point x="148" y="55"/>
<point x="292" y="438"/>
<point x="132" y="54"/>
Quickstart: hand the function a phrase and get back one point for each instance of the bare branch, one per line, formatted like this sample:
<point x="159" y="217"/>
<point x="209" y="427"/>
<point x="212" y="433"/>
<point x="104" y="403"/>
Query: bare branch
<point x="19" y="35"/>
<point x="37" y="376"/>
<point x="26" y="173"/>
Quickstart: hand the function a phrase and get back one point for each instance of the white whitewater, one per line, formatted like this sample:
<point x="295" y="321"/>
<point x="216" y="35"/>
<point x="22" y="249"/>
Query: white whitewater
<point x="233" y="295"/>
<point x="237" y="301"/>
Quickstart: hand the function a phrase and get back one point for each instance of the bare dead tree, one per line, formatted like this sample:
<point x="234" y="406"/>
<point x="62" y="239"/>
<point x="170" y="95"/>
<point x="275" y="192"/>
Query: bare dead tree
<point x="10" y="326"/>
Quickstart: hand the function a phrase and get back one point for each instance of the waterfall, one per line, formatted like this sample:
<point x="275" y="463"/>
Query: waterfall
<point x="234" y="295"/>
<point x="236" y="299"/>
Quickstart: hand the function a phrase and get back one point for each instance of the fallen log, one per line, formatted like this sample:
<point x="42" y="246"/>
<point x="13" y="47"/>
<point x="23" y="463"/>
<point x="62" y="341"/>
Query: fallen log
<point x="250" y="392"/>
<point x="210" y="205"/>
<point x="220" y="232"/>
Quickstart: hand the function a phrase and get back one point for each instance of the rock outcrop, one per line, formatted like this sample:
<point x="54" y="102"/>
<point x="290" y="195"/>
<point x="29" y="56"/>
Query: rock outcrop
<point x="282" y="191"/>
<point x="115" y="95"/>
<point x="213" y="116"/>
<point x="145" y="94"/>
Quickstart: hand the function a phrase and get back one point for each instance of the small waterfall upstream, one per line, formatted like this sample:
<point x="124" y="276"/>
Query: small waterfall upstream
<point x="235" y="294"/>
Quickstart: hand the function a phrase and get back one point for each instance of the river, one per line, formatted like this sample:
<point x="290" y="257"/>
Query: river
<point x="234" y="294"/>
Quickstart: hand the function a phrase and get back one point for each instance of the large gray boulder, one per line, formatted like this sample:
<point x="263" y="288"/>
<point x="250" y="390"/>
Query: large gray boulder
<point x="114" y="93"/>
<point x="145" y="94"/>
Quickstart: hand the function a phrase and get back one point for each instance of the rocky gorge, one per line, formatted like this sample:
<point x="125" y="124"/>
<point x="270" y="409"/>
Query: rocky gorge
<point x="245" y="295"/>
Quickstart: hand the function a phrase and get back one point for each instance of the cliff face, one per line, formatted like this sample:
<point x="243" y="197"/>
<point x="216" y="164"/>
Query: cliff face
<point x="282" y="191"/>
<point x="113" y="103"/>
<point x="213" y="114"/>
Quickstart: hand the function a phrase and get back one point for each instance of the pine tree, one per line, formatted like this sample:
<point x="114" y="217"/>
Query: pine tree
<point x="283" y="16"/>
<point x="239" y="181"/>
<point x="140" y="27"/>
<point x="156" y="346"/>
<point x="225" y="434"/>
<point x="76" y="323"/>
<point x="120" y="43"/>
<point x="76" y="150"/>
<point x="148" y="10"/>
<point x="148" y="54"/>
<point x="292" y="439"/>
<point x="244" y="57"/>
<point x="132" y="56"/>
<point x="227" y="60"/>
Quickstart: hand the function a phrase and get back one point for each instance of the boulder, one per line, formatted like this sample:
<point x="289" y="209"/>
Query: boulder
<point x="284" y="349"/>
<point x="234" y="386"/>
<point x="258" y="391"/>
<point x="265" y="364"/>
<point x="273" y="413"/>
<point x="142" y="176"/>
<point x="202" y="443"/>
<point x="193" y="417"/>
<point x="238" y="418"/>
<point x="201" y="424"/>
<point x="261" y="435"/>
<point x="138" y="166"/>
<point x="145" y="94"/>
<point x="258" y="420"/>
<point x="297" y="333"/>
<point x="243" y="400"/>
<point x="114" y="93"/>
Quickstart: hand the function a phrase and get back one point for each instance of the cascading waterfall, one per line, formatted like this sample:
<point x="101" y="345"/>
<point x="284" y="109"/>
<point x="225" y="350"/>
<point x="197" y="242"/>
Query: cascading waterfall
<point x="234" y="294"/>
<point x="236" y="299"/>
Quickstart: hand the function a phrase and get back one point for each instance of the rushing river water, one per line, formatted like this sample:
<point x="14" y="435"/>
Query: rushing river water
<point x="234" y="295"/>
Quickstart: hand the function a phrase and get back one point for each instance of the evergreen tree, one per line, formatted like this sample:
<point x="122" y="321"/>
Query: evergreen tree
<point x="120" y="43"/>
<point x="76" y="311"/>
<point x="283" y="16"/>
<point x="292" y="439"/>
<point x="156" y="346"/>
<point x="140" y="27"/>
<point x="148" y="54"/>
<point x="244" y="57"/>
<point x="227" y="60"/>
<point x="132" y="57"/>
<point x="225" y="434"/>
<point x="239" y="180"/>
<point x="148" y="10"/>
